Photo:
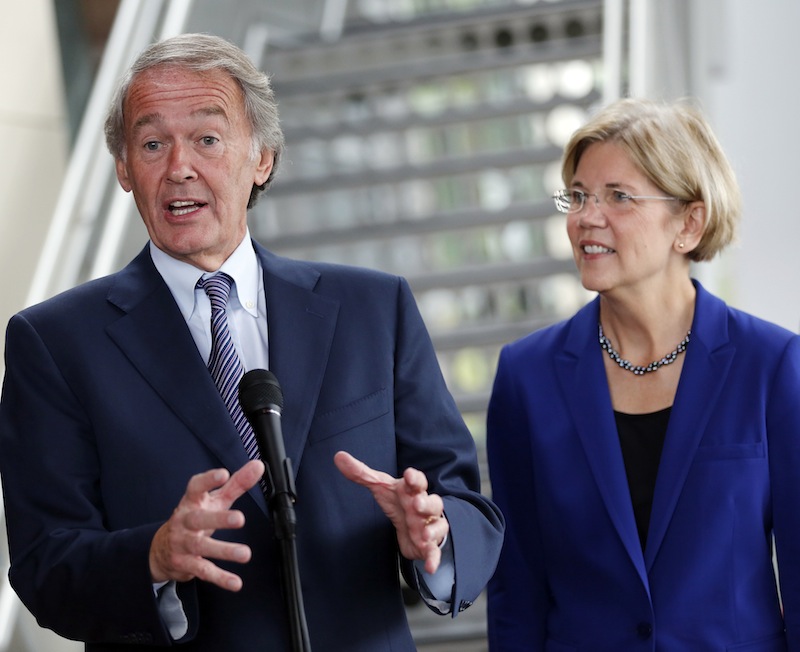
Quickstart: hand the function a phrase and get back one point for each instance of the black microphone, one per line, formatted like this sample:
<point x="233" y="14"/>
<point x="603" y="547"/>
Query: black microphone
<point x="261" y="399"/>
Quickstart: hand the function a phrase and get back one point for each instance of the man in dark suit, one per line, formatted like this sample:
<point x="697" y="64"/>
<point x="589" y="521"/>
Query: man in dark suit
<point x="135" y="519"/>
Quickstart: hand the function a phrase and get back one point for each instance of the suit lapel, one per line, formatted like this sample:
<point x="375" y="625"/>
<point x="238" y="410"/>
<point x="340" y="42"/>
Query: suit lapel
<point x="583" y="382"/>
<point x="170" y="363"/>
<point x="301" y="327"/>
<point x="705" y="371"/>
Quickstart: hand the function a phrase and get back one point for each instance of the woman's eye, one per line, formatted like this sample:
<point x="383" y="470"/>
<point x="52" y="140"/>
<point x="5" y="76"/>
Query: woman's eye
<point x="619" y="197"/>
<point x="577" y="196"/>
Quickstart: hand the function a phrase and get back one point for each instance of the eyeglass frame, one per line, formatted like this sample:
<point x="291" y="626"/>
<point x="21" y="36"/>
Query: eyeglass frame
<point x="560" y="197"/>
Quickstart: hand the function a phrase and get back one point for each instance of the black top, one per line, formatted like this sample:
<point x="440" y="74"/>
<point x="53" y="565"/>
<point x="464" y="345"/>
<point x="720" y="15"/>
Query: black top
<point x="641" y="437"/>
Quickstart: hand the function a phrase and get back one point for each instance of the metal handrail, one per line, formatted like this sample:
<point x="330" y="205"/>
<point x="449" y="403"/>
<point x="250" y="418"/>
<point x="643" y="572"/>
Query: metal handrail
<point x="90" y="167"/>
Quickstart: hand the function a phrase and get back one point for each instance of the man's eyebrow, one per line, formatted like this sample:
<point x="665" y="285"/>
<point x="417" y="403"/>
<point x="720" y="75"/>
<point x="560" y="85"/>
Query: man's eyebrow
<point x="150" y="118"/>
<point x="211" y="110"/>
<point x="145" y="120"/>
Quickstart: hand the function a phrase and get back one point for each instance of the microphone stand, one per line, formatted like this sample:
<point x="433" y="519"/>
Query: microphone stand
<point x="261" y="399"/>
<point x="281" y="507"/>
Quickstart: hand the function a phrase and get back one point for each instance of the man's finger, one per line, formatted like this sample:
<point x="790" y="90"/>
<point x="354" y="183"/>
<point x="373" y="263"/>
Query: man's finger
<point x="210" y="572"/>
<point x="432" y="560"/>
<point x="202" y="483"/>
<point x="201" y="520"/>
<point x="428" y="504"/>
<point x="241" y="481"/>
<point x="415" y="480"/>
<point x="356" y="471"/>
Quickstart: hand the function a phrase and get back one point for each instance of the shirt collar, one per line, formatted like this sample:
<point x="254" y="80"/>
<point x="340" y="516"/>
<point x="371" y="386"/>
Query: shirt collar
<point x="181" y="278"/>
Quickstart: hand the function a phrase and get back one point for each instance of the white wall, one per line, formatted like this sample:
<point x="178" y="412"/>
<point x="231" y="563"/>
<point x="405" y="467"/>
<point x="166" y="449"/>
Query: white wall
<point x="739" y="58"/>
<point x="33" y="131"/>
<point x="755" y="98"/>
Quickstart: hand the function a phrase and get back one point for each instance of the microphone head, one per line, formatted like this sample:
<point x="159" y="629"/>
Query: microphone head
<point x="259" y="390"/>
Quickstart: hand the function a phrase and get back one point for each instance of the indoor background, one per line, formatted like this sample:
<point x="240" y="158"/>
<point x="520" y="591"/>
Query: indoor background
<point x="423" y="138"/>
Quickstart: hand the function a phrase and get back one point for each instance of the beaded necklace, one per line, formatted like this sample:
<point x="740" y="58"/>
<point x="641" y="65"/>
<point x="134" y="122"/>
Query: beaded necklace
<point x="638" y="370"/>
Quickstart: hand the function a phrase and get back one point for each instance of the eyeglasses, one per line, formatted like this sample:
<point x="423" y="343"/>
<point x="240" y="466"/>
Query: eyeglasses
<point x="571" y="200"/>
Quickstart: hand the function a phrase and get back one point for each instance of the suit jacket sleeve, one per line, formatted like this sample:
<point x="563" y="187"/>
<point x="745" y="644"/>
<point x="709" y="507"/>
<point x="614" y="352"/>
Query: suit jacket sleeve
<point x="432" y="437"/>
<point x="783" y="428"/>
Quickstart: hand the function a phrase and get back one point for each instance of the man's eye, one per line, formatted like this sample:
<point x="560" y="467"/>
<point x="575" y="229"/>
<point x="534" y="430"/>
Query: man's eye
<point x="209" y="140"/>
<point x="152" y="145"/>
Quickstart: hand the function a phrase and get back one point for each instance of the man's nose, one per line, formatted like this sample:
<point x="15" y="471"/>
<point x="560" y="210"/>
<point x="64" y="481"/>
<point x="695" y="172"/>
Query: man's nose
<point x="180" y="164"/>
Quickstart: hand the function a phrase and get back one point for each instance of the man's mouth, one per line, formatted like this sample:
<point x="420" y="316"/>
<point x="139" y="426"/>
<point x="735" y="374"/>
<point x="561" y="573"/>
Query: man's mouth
<point x="179" y="208"/>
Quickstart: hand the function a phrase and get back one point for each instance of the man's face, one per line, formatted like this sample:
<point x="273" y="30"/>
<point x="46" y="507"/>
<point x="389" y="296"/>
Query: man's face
<point x="189" y="162"/>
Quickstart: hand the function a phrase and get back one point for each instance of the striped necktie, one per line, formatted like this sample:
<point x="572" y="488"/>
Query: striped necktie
<point x="224" y="363"/>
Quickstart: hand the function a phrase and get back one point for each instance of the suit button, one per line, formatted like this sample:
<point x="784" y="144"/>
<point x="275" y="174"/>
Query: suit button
<point x="644" y="630"/>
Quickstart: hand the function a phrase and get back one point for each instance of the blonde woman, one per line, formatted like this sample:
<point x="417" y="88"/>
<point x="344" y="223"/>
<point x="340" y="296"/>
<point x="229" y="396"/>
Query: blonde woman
<point x="646" y="452"/>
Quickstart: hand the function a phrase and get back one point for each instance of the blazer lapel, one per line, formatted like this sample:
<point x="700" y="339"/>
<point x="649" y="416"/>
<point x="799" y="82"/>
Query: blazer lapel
<point x="301" y="327"/>
<point x="705" y="370"/>
<point x="583" y="383"/>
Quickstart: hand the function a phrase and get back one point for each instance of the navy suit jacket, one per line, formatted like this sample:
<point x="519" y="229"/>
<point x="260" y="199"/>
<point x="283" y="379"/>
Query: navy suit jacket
<point x="108" y="410"/>
<point x="572" y="575"/>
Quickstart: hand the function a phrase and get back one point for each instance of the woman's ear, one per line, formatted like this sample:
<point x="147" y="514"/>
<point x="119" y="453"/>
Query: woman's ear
<point x="694" y="225"/>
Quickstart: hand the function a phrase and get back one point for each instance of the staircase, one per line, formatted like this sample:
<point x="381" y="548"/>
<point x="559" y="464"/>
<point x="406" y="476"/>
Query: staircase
<point x="422" y="138"/>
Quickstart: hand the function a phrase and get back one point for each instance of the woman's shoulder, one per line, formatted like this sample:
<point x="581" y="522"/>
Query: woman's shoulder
<point x="728" y="325"/>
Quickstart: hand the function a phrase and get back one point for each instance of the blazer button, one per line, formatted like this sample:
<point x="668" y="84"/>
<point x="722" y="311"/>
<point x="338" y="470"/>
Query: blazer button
<point x="644" y="630"/>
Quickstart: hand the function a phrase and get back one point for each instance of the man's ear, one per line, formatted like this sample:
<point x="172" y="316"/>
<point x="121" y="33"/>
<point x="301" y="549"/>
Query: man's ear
<point x="122" y="175"/>
<point x="264" y="166"/>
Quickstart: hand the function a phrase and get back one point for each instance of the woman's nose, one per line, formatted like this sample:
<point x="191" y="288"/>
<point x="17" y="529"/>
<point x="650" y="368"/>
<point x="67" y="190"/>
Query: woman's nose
<point x="592" y="212"/>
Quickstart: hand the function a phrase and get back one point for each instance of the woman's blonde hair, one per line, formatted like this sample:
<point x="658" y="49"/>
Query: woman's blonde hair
<point x="675" y="148"/>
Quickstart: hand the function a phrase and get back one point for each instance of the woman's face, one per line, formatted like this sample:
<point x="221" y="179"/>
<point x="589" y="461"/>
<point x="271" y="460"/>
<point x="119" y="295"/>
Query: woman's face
<point x="621" y="244"/>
